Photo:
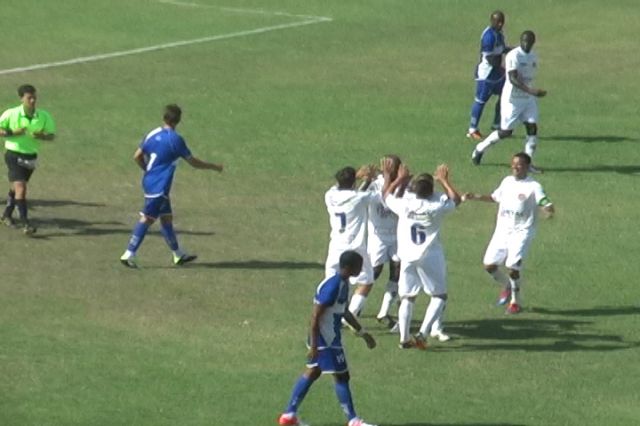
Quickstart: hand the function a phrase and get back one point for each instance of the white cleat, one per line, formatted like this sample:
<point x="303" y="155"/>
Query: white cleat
<point x="359" y="422"/>
<point x="440" y="336"/>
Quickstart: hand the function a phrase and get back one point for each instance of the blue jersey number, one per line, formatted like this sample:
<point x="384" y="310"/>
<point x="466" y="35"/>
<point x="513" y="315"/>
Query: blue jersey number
<point x="418" y="234"/>
<point x="343" y="221"/>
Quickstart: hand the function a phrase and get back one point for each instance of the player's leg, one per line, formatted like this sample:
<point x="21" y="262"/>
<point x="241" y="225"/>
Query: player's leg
<point x="509" y="114"/>
<point x="433" y="274"/>
<point x="497" y="91"/>
<point x="494" y="256"/>
<point x="408" y="288"/>
<point x="482" y="95"/>
<point x="531" y="143"/>
<point x="343" y="392"/>
<point x="518" y="247"/>
<point x="289" y="417"/>
<point x="166" y="228"/>
<point x="364" y="283"/>
<point x="148" y="215"/>
<point x="20" y="168"/>
<point x="390" y="294"/>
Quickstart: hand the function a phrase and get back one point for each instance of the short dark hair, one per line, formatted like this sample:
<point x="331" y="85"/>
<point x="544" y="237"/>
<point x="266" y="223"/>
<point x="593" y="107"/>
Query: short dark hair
<point x="422" y="185"/>
<point x="172" y="114"/>
<point x="346" y="177"/>
<point x="523" y="156"/>
<point x="350" y="259"/>
<point x="26" y="88"/>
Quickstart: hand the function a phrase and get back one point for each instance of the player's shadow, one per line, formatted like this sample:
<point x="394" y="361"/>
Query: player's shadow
<point x="35" y="203"/>
<point x="258" y="264"/>
<point x="590" y="312"/>
<point x="532" y="335"/>
<point x="589" y="139"/>
<point x="626" y="169"/>
<point x="453" y="424"/>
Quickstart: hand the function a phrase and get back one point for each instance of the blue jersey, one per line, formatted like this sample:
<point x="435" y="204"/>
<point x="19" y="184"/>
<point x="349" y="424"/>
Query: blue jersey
<point x="492" y="43"/>
<point x="162" y="148"/>
<point x="333" y="293"/>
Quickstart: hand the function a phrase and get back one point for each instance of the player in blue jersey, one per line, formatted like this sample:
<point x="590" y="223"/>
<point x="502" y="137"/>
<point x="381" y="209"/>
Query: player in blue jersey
<point x="326" y="355"/>
<point x="158" y="156"/>
<point x="489" y="75"/>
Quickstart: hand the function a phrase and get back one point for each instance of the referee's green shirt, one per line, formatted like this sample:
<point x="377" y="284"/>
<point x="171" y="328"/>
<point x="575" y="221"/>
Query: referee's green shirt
<point x="15" y="118"/>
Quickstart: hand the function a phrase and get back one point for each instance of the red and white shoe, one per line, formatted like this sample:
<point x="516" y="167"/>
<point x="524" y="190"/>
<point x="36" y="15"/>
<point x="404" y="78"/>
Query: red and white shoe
<point x="474" y="135"/>
<point x="513" y="308"/>
<point x="505" y="296"/>
<point x="287" y="419"/>
<point x="359" y="422"/>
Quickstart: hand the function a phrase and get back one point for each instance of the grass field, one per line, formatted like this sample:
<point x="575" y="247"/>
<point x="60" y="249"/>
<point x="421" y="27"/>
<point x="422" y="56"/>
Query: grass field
<point x="284" y="101"/>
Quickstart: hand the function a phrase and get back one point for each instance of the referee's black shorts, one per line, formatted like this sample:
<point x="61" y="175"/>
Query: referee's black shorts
<point x="20" y="166"/>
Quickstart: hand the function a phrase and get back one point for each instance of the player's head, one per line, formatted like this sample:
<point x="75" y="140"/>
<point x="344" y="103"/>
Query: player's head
<point x="350" y="263"/>
<point x="527" y="40"/>
<point x="27" y="94"/>
<point x="422" y="185"/>
<point x="395" y="163"/>
<point x="346" y="178"/>
<point x="497" y="20"/>
<point x="172" y="115"/>
<point x="520" y="165"/>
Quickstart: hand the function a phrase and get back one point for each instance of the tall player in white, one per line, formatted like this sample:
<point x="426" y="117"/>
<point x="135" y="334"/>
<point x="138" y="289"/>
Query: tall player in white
<point x="423" y="265"/>
<point x="519" y="197"/>
<point x="382" y="244"/>
<point x="519" y="99"/>
<point x="347" y="208"/>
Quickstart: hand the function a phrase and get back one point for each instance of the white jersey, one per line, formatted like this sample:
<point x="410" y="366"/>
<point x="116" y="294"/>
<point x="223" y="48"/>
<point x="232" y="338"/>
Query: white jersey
<point x="525" y="64"/>
<point x="382" y="221"/>
<point x="518" y="204"/>
<point x="419" y="222"/>
<point x="347" y="210"/>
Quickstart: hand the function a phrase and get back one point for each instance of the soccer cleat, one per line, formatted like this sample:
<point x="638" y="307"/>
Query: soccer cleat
<point x="8" y="222"/>
<point x="476" y="157"/>
<point x="420" y="342"/>
<point x="505" y="296"/>
<point x="388" y="321"/>
<point x="407" y="345"/>
<point x="28" y="229"/>
<point x="358" y="422"/>
<point x="290" y="420"/>
<point x="513" y="308"/>
<point x="474" y="135"/>
<point x="128" y="261"/>
<point x="438" y="334"/>
<point x="534" y="170"/>
<point x="185" y="258"/>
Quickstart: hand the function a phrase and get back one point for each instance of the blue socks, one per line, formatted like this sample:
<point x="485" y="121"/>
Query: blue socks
<point x="300" y="390"/>
<point x="169" y="235"/>
<point x="476" y="113"/>
<point x="344" y="397"/>
<point x="137" y="236"/>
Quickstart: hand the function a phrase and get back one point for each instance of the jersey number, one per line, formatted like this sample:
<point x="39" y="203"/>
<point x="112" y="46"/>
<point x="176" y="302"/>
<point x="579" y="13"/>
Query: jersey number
<point x="418" y="234"/>
<point x="152" y="159"/>
<point x="343" y="221"/>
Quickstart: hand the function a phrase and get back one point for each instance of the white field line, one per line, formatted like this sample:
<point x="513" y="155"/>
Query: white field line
<point x="308" y="20"/>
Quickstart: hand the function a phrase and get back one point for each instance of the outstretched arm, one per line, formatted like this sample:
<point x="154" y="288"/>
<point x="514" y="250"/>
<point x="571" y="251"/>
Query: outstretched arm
<point x="201" y="164"/>
<point x="468" y="196"/>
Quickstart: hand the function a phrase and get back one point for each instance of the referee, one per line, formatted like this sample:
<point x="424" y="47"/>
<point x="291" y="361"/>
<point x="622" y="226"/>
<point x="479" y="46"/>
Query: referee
<point x="22" y="128"/>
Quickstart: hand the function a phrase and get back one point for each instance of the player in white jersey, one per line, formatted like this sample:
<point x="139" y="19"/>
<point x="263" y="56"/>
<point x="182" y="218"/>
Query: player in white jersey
<point x="519" y="197"/>
<point x="382" y="243"/>
<point x="519" y="99"/>
<point x="423" y="265"/>
<point x="347" y="208"/>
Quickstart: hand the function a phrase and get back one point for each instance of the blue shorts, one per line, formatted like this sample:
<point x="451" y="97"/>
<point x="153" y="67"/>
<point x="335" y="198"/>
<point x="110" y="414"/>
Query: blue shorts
<point x="330" y="361"/>
<point x="157" y="206"/>
<point x="485" y="88"/>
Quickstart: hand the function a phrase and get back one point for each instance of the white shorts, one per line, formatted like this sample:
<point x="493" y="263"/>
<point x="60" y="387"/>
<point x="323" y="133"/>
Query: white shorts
<point x="428" y="274"/>
<point x="382" y="250"/>
<point x="332" y="266"/>
<point x="508" y="249"/>
<point x="512" y="113"/>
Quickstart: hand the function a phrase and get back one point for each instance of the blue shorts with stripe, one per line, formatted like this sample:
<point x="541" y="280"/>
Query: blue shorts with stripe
<point x="330" y="361"/>
<point x="157" y="206"/>
<point x="486" y="88"/>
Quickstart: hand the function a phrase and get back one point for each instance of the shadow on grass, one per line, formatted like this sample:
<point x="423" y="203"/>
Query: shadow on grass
<point x="61" y="203"/>
<point x="65" y="227"/>
<point x="258" y="264"/>
<point x="533" y="335"/>
<point x="590" y="312"/>
<point x="589" y="139"/>
<point x="452" y="424"/>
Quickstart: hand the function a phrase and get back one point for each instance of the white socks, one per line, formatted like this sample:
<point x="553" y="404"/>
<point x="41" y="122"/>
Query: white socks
<point x="357" y="303"/>
<point x="388" y="299"/>
<point x="434" y="311"/>
<point x="405" y="312"/>
<point x="489" y="140"/>
<point x="530" y="145"/>
<point x="515" y="289"/>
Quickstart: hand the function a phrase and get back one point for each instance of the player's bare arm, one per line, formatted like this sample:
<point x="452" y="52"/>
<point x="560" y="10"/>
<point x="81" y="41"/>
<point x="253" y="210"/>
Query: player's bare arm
<point x="44" y="136"/>
<point x="514" y="78"/>
<point x="442" y="175"/>
<point x="314" y="329"/>
<point x="138" y="157"/>
<point x="470" y="196"/>
<point x="200" y="164"/>
<point x="16" y="132"/>
<point x="358" y="329"/>
<point x="402" y="179"/>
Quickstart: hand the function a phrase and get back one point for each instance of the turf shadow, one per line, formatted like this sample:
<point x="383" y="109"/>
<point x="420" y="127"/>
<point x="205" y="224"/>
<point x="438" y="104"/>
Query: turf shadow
<point x="61" y="203"/>
<point x="589" y="139"/>
<point x="590" y="312"/>
<point x="258" y="264"/>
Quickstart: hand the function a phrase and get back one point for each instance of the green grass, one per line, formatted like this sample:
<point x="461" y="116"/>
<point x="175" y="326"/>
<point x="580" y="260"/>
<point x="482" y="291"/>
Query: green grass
<point x="84" y="341"/>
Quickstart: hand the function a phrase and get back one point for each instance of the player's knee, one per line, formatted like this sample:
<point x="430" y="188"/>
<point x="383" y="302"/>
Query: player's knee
<point x="442" y="296"/>
<point x="312" y="373"/>
<point x="147" y="220"/>
<point x="504" y="133"/>
<point x="490" y="268"/>
<point x="342" y="377"/>
<point x="377" y="271"/>
<point x="364" y="290"/>
<point x="514" y="274"/>
<point x="394" y="271"/>
<point x="532" y="129"/>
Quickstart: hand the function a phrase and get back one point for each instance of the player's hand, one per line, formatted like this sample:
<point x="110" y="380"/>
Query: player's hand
<point x="369" y="340"/>
<point x="218" y="167"/>
<point x="403" y="172"/>
<point x="540" y="93"/>
<point x="20" y="131"/>
<point x="442" y="172"/>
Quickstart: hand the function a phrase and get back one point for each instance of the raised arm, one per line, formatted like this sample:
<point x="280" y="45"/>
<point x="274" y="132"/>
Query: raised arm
<point x="442" y="175"/>
<point x="399" y="182"/>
